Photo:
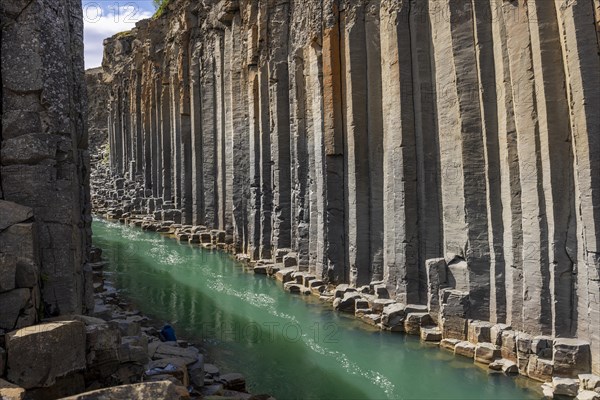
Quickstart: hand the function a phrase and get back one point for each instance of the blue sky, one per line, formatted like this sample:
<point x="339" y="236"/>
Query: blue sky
<point x="104" y="18"/>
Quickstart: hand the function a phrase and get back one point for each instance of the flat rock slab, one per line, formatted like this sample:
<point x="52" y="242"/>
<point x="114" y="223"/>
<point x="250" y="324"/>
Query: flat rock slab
<point x="158" y="350"/>
<point x="8" y="391"/>
<point x="565" y="386"/>
<point x="164" y="390"/>
<point x="39" y="354"/>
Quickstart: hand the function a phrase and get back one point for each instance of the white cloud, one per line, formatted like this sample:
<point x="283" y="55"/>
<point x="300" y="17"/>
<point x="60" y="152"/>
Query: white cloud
<point x="103" y="19"/>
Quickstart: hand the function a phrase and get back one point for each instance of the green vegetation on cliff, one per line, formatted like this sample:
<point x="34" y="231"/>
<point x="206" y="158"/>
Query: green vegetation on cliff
<point x="161" y="6"/>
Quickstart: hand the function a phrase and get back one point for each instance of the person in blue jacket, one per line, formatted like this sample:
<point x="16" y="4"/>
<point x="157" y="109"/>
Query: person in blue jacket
<point x="167" y="334"/>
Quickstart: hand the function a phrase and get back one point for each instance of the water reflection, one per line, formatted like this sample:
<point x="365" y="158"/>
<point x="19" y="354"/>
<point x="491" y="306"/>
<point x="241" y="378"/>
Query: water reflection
<point x="285" y="345"/>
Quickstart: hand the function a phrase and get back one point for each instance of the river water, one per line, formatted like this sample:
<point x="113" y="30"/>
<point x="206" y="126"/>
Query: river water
<point x="288" y="346"/>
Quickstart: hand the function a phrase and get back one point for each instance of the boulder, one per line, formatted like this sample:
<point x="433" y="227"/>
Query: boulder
<point x="486" y="353"/>
<point x="371" y="318"/>
<point x="37" y="355"/>
<point x="587" y="382"/>
<point x="542" y="346"/>
<point x="431" y="334"/>
<point x="102" y="348"/>
<point x="164" y="390"/>
<point x="588" y="395"/>
<point x="414" y="322"/>
<point x="361" y="304"/>
<point x="565" y="386"/>
<point x="509" y="345"/>
<point x="211" y="370"/>
<point x="436" y="279"/>
<point x="175" y="367"/>
<point x="416" y="308"/>
<point x="454" y="307"/>
<point x="158" y="350"/>
<point x="290" y="260"/>
<point x="393" y="316"/>
<point x="205" y="238"/>
<point x="449" y="344"/>
<point x="377" y="305"/>
<point x="547" y="391"/>
<point x="196" y="372"/>
<point x="233" y="381"/>
<point x="341" y="290"/>
<point x="465" y="349"/>
<point x="479" y="332"/>
<point x="524" y="342"/>
<point x="260" y="269"/>
<point x="133" y="349"/>
<point x="381" y="292"/>
<point x="9" y="391"/>
<point x="496" y="333"/>
<point x="346" y="303"/>
<point x="296" y="288"/>
<point x="540" y="369"/>
<point x="285" y="274"/>
<point x="504" y="365"/>
<point x="571" y="357"/>
<point x="129" y="326"/>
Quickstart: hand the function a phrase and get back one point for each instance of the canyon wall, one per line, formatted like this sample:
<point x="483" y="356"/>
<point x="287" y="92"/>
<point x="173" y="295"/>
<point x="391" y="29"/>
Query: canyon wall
<point x="44" y="191"/>
<point x="373" y="136"/>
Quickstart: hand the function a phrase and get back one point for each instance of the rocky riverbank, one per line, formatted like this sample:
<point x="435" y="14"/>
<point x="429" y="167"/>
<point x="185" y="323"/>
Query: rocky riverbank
<point x="563" y="365"/>
<point x="115" y="352"/>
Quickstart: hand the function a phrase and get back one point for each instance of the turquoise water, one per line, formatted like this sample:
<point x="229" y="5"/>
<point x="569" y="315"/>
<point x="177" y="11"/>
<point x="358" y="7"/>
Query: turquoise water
<point x="289" y="346"/>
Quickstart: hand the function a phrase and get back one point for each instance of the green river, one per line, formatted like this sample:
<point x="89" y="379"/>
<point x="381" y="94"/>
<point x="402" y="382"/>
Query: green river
<point x="289" y="346"/>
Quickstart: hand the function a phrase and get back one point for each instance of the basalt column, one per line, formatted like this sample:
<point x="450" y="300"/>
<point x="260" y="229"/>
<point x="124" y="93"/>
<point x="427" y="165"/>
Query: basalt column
<point x="333" y="142"/>
<point x="430" y="243"/>
<point x="581" y="65"/>
<point x="186" y="131"/>
<point x="510" y="185"/>
<point x="254" y="140"/>
<point x="313" y="74"/>
<point x="462" y="158"/>
<point x="197" y="172"/>
<point x="44" y="199"/>
<point x="557" y="171"/>
<point x="237" y="136"/>
<point x="357" y="151"/>
<point x="279" y="116"/>
<point x="400" y="239"/>
<point x="209" y="137"/>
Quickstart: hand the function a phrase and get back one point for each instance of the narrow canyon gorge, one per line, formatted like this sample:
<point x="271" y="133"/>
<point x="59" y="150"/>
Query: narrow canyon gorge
<point x="430" y="166"/>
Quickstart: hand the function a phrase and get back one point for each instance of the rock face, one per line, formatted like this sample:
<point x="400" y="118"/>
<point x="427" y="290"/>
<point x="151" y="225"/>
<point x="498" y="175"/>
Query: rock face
<point x="37" y="355"/>
<point x="44" y="194"/>
<point x="97" y="115"/>
<point x="371" y="136"/>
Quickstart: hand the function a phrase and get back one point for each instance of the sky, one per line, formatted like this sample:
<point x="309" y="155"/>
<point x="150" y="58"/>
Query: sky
<point x="104" y="18"/>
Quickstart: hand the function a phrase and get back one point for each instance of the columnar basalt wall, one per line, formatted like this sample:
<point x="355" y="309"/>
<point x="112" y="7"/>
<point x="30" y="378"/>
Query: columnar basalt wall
<point x="44" y="190"/>
<point x="371" y="136"/>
